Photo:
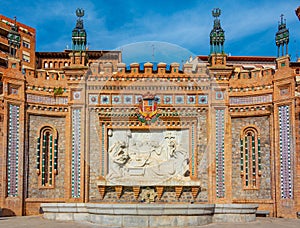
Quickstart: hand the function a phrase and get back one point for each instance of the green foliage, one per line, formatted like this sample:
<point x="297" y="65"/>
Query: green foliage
<point x="58" y="91"/>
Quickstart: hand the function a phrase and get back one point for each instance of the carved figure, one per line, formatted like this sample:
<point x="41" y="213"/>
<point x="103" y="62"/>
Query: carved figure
<point x="146" y="157"/>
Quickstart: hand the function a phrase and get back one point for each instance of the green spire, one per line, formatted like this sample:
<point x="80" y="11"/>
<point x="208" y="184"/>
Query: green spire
<point x="217" y="34"/>
<point x="79" y="36"/>
<point x="14" y="39"/>
<point x="282" y="37"/>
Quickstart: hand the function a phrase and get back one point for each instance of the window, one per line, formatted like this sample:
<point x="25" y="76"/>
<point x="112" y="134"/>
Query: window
<point x="26" y="58"/>
<point x="47" y="156"/>
<point x="12" y="51"/>
<point x="26" y="44"/>
<point x="250" y="163"/>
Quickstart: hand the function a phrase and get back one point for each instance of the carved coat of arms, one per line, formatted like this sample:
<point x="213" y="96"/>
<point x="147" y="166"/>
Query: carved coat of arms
<point x="148" y="109"/>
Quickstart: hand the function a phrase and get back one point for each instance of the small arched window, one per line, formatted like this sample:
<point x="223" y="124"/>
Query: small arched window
<point x="250" y="157"/>
<point x="47" y="156"/>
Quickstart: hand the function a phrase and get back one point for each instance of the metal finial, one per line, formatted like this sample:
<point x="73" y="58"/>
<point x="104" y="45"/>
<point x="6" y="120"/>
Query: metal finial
<point x="216" y="12"/>
<point x="80" y="12"/>
<point x="281" y="16"/>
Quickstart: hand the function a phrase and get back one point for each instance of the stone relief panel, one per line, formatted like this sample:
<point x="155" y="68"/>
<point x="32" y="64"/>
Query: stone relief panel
<point x="140" y="157"/>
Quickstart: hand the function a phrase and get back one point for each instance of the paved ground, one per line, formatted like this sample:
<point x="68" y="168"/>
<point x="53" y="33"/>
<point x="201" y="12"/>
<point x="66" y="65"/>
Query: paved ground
<point x="37" y="221"/>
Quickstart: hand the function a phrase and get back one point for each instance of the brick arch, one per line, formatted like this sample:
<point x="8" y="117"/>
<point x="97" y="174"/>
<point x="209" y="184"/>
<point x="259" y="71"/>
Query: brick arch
<point x="250" y="164"/>
<point x="47" y="156"/>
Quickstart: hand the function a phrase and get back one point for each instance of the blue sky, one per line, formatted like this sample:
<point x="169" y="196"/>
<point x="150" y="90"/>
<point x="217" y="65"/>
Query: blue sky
<point x="250" y="26"/>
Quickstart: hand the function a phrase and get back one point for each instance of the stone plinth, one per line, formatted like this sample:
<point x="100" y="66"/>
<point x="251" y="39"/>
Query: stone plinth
<point x="149" y="215"/>
<point x="232" y="213"/>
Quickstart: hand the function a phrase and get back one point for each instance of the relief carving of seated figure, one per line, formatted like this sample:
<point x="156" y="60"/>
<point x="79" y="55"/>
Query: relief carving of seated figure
<point x="148" y="160"/>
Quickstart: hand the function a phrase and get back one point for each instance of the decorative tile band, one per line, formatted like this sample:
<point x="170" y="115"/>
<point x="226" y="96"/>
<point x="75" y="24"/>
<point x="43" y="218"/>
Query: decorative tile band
<point x="46" y="99"/>
<point x="13" y="150"/>
<point x="193" y="148"/>
<point x="103" y="150"/>
<point x="108" y="99"/>
<point x="286" y="174"/>
<point x="38" y="145"/>
<point x="251" y="99"/>
<point x="220" y="178"/>
<point x="76" y="152"/>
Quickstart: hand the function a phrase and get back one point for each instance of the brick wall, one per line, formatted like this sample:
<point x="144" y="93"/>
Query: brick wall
<point x="94" y="161"/>
<point x="35" y="122"/>
<point x="264" y="191"/>
<point x="203" y="157"/>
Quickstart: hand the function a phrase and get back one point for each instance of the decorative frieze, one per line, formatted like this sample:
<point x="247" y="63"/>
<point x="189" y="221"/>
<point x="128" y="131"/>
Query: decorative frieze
<point x="47" y="100"/>
<point x="247" y="109"/>
<point x="119" y="99"/>
<point x="76" y="152"/>
<point x="250" y="99"/>
<point x="47" y="108"/>
<point x="13" y="150"/>
<point x="148" y="88"/>
<point x="253" y="88"/>
<point x="286" y="154"/>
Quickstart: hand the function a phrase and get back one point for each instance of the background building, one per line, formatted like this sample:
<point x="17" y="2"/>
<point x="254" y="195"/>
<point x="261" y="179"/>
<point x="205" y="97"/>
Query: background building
<point x="80" y="126"/>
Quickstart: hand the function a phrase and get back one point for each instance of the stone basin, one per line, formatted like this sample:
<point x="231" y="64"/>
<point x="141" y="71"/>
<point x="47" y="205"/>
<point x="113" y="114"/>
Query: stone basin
<point x="150" y="215"/>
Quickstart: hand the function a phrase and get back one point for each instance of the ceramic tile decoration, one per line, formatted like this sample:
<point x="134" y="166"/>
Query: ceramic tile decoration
<point x="13" y="150"/>
<point x="76" y="95"/>
<point x="128" y="99"/>
<point x="138" y="98"/>
<point x="168" y="99"/>
<point x="116" y="99"/>
<point x="219" y="95"/>
<point x="104" y="99"/>
<point x="76" y="152"/>
<point x="286" y="173"/>
<point x="93" y="99"/>
<point x="202" y="99"/>
<point x="220" y="134"/>
<point x="191" y="99"/>
<point x="179" y="99"/>
<point x="46" y="99"/>
<point x="251" y="99"/>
